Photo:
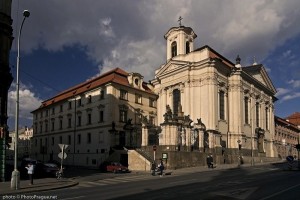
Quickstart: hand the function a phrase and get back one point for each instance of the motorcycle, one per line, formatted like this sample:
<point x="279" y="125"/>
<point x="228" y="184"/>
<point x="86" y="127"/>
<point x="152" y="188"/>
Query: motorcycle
<point x="59" y="174"/>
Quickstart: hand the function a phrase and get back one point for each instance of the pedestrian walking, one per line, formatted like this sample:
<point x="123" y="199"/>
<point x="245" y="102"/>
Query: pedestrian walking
<point x="153" y="167"/>
<point x="30" y="172"/>
<point x="161" y="167"/>
<point x="211" y="161"/>
<point x="208" y="161"/>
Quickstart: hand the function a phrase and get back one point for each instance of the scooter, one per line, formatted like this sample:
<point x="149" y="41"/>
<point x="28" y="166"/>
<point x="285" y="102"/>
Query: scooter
<point x="59" y="174"/>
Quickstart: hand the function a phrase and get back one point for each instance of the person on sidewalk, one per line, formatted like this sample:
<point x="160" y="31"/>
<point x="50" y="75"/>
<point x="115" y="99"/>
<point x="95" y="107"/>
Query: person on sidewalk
<point x="30" y="171"/>
<point x="161" y="167"/>
<point x="153" y="167"/>
<point x="208" y="161"/>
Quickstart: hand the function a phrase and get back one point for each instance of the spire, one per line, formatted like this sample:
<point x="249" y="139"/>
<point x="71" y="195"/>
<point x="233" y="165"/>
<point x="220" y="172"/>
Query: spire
<point x="254" y="61"/>
<point x="238" y="62"/>
<point x="179" y="20"/>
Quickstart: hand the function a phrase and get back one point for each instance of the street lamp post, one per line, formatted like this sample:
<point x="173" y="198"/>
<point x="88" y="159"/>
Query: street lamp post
<point x="15" y="177"/>
<point x="239" y="152"/>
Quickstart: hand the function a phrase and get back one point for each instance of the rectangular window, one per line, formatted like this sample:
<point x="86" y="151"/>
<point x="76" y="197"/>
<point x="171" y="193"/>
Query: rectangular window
<point x="41" y="128"/>
<point x="138" y="98"/>
<point x="257" y="114"/>
<point x="222" y="105"/>
<point x="53" y="111"/>
<point x="61" y="108"/>
<point x="47" y="113"/>
<point x="246" y="110"/>
<point x="69" y="139"/>
<point x="102" y="94"/>
<point x="123" y="94"/>
<point x="69" y="122"/>
<point x="60" y="124"/>
<point x="79" y="102"/>
<point x="123" y="115"/>
<point x="89" y="118"/>
<point x="70" y="105"/>
<point x="89" y="138"/>
<point x="152" y="102"/>
<point x="52" y="141"/>
<point x="90" y="99"/>
<point x="267" y="118"/>
<point x="101" y="114"/>
<point x="52" y="126"/>
<point x="151" y="120"/>
<point x="78" y="139"/>
<point x="46" y="126"/>
<point x="79" y="121"/>
<point x="60" y="140"/>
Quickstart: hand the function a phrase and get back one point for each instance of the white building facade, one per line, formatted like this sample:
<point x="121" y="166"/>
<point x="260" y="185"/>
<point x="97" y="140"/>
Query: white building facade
<point x="234" y="103"/>
<point x="90" y="118"/>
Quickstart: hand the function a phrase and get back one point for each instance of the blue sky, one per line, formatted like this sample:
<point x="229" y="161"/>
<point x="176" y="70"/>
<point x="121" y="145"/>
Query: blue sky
<point x="66" y="42"/>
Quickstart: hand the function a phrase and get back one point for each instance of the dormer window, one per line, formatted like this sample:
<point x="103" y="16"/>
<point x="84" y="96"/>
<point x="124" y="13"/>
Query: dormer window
<point x="136" y="81"/>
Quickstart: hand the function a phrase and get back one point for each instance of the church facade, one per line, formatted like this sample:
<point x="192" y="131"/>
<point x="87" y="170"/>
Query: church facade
<point x="209" y="104"/>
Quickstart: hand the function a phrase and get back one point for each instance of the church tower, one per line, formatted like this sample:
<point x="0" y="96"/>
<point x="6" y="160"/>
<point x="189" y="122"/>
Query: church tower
<point x="180" y="40"/>
<point x="6" y="78"/>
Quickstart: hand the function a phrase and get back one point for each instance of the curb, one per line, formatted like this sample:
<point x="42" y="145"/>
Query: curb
<point x="37" y="189"/>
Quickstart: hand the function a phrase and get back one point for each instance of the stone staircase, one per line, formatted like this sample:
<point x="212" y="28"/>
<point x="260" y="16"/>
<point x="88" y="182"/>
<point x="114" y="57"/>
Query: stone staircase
<point x="139" y="160"/>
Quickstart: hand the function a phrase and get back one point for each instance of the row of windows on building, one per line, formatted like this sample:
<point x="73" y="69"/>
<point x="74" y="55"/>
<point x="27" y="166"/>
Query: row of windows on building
<point x="246" y="111"/>
<point x="123" y="117"/>
<point x="68" y="139"/>
<point x="174" y="48"/>
<point x="78" y="102"/>
<point x="138" y="98"/>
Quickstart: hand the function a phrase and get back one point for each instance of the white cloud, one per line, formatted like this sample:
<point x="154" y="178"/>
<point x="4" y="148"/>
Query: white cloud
<point x="282" y="91"/>
<point x="27" y="103"/>
<point x="290" y="96"/>
<point x="295" y="83"/>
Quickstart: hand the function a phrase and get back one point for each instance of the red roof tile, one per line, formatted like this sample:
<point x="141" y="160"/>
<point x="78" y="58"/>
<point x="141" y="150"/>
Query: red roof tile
<point x="294" y="118"/>
<point x="116" y="75"/>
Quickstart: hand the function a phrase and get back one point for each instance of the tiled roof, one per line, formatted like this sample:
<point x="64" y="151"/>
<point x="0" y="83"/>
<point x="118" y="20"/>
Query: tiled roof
<point x="116" y="75"/>
<point x="294" y="118"/>
<point x="214" y="54"/>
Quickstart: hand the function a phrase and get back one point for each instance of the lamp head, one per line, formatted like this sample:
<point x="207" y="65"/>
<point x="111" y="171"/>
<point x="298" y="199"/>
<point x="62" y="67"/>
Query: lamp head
<point x="26" y="13"/>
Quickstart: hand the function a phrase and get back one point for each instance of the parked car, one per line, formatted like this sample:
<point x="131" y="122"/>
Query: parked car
<point x="116" y="167"/>
<point x="50" y="169"/>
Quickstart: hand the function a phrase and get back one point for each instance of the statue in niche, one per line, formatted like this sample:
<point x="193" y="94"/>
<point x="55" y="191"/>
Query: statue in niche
<point x="145" y="120"/>
<point x="168" y="114"/>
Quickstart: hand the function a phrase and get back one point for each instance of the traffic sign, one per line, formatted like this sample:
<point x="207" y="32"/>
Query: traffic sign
<point x="60" y="155"/>
<point x="154" y="147"/>
<point x="63" y="146"/>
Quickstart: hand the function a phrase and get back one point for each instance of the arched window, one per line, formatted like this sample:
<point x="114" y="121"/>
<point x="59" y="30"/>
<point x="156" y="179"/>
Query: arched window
<point x="187" y="47"/>
<point x="174" y="49"/>
<point x="176" y="100"/>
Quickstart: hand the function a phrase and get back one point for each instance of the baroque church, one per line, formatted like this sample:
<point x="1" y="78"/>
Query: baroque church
<point x="199" y="103"/>
<point x="208" y="104"/>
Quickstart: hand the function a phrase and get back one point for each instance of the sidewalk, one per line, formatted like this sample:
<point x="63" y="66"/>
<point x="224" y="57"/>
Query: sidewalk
<point x="38" y="185"/>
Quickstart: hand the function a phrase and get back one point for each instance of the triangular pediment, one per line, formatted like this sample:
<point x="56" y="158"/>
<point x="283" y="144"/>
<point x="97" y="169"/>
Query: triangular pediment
<point x="170" y="67"/>
<point x="260" y="74"/>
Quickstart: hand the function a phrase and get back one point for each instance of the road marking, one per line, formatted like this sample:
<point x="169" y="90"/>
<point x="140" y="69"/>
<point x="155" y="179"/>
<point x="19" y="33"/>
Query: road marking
<point x="268" y="197"/>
